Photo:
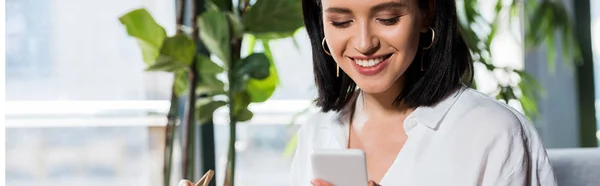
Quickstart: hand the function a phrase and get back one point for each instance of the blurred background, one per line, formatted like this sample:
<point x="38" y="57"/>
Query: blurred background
<point x="81" y="110"/>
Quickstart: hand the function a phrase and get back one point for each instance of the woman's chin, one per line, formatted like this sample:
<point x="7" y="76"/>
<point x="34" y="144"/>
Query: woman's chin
<point x="373" y="88"/>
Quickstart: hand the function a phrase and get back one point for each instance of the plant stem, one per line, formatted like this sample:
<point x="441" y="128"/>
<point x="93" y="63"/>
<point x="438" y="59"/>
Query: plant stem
<point x="243" y="6"/>
<point x="236" y="47"/>
<point x="169" y="137"/>
<point x="230" y="173"/>
<point x="172" y="116"/>
<point x="190" y="124"/>
<point x="179" y="18"/>
<point x="232" y="139"/>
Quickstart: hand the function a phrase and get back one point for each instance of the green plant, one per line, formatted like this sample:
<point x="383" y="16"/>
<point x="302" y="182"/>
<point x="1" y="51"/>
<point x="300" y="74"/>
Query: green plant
<point x="542" y="19"/>
<point x="221" y="28"/>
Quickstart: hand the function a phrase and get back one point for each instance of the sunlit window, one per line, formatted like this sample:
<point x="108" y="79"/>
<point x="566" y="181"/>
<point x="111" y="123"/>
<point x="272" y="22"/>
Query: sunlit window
<point x="595" y="26"/>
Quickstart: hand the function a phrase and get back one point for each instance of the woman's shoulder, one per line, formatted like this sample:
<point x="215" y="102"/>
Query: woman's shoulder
<point x="496" y="125"/>
<point x="318" y="119"/>
<point x="475" y="113"/>
<point x="485" y="112"/>
<point x="477" y="106"/>
<point x="315" y="120"/>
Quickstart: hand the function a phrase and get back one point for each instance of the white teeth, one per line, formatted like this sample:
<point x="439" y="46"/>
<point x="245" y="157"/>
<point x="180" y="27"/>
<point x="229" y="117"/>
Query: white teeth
<point x="369" y="62"/>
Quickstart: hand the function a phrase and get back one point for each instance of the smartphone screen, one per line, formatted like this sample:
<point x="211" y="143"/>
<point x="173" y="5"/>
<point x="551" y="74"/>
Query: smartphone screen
<point x="344" y="167"/>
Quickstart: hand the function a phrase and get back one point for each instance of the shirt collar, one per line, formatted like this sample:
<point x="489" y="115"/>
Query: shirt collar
<point x="430" y="116"/>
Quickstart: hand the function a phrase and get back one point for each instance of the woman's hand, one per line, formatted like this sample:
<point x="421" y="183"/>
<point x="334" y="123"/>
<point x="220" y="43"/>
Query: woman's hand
<point x="319" y="182"/>
<point x="185" y="183"/>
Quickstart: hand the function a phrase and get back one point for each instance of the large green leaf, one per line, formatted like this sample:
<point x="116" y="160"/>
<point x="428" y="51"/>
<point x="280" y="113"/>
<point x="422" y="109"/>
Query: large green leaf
<point x="245" y="115"/>
<point x="208" y="82"/>
<point x="255" y="65"/>
<point x="214" y="32"/>
<point x="150" y="36"/>
<point x="205" y="111"/>
<point x="180" y="47"/>
<point x="210" y="86"/>
<point x="181" y="82"/>
<point x="177" y="52"/>
<point x="236" y="25"/>
<point x="251" y="39"/>
<point x="268" y="16"/>
<point x="261" y="90"/>
<point x="274" y="35"/>
<point x="237" y="84"/>
<point x="242" y="100"/>
<point x="223" y="4"/>
<point x="207" y="66"/>
<point x="269" y="55"/>
<point x="166" y="63"/>
<point x="149" y="53"/>
<point x="240" y="108"/>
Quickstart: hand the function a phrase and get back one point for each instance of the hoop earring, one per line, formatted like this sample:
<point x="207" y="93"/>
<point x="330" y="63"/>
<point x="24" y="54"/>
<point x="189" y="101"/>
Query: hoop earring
<point x="323" y="45"/>
<point x="432" y="39"/>
<point x="337" y="70"/>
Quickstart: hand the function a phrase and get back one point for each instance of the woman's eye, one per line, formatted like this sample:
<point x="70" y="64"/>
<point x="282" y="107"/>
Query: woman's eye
<point x="343" y="24"/>
<point x="390" y="21"/>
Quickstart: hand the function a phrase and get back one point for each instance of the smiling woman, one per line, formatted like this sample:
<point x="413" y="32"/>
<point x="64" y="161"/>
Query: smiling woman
<point x="375" y="42"/>
<point x="391" y="80"/>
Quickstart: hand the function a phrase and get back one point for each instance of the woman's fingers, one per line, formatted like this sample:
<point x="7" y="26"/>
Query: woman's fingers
<point x="373" y="183"/>
<point x="185" y="183"/>
<point x="319" y="182"/>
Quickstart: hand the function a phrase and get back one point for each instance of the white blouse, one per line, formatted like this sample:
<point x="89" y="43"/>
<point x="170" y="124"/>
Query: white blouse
<point x="466" y="139"/>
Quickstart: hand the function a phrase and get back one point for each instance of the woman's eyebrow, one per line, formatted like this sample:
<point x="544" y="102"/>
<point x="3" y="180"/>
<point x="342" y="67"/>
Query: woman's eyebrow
<point x="338" y="10"/>
<point x="376" y="8"/>
<point x="387" y="6"/>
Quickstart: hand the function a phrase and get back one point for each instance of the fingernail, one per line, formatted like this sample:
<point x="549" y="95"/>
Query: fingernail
<point x="315" y="183"/>
<point x="183" y="183"/>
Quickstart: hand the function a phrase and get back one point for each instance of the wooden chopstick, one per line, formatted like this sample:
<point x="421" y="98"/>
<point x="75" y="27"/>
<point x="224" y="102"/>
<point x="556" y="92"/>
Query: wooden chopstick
<point x="205" y="180"/>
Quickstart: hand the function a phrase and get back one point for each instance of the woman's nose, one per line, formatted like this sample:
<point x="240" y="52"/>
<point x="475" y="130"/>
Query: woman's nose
<point x="365" y="41"/>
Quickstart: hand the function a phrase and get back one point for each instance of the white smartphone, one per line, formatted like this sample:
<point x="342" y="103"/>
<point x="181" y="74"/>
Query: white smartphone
<point x="345" y="167"/>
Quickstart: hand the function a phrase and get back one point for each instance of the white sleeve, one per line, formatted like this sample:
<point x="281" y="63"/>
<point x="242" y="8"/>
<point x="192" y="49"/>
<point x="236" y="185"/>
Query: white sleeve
<point x="301" y="170"/>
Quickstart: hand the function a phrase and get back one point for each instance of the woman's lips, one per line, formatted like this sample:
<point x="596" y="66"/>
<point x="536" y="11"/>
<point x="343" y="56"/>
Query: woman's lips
<point x="370" y="66"/>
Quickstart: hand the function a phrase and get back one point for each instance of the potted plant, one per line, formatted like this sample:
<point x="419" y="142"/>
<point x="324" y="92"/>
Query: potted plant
<point x="210" y="48"/>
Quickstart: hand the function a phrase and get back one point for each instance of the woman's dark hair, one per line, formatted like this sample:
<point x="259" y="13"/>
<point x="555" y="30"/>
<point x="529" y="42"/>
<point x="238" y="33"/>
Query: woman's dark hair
<point x="447" y="64"/>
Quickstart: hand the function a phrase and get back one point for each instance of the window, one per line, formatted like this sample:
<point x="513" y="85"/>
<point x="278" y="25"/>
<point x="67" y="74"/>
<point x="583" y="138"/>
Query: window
<point x="76" y="94"/>
<point x="81" y="110"/>
<point x="595" y="30"/>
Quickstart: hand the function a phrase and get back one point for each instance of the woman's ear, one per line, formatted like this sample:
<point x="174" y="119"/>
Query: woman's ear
<point x="428" y="14"/>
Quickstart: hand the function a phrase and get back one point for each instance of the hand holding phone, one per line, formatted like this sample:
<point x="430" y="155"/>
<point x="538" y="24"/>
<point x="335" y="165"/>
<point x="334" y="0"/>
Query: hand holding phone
<point x="345" y="167"/>
<point x="319" y="182"/>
